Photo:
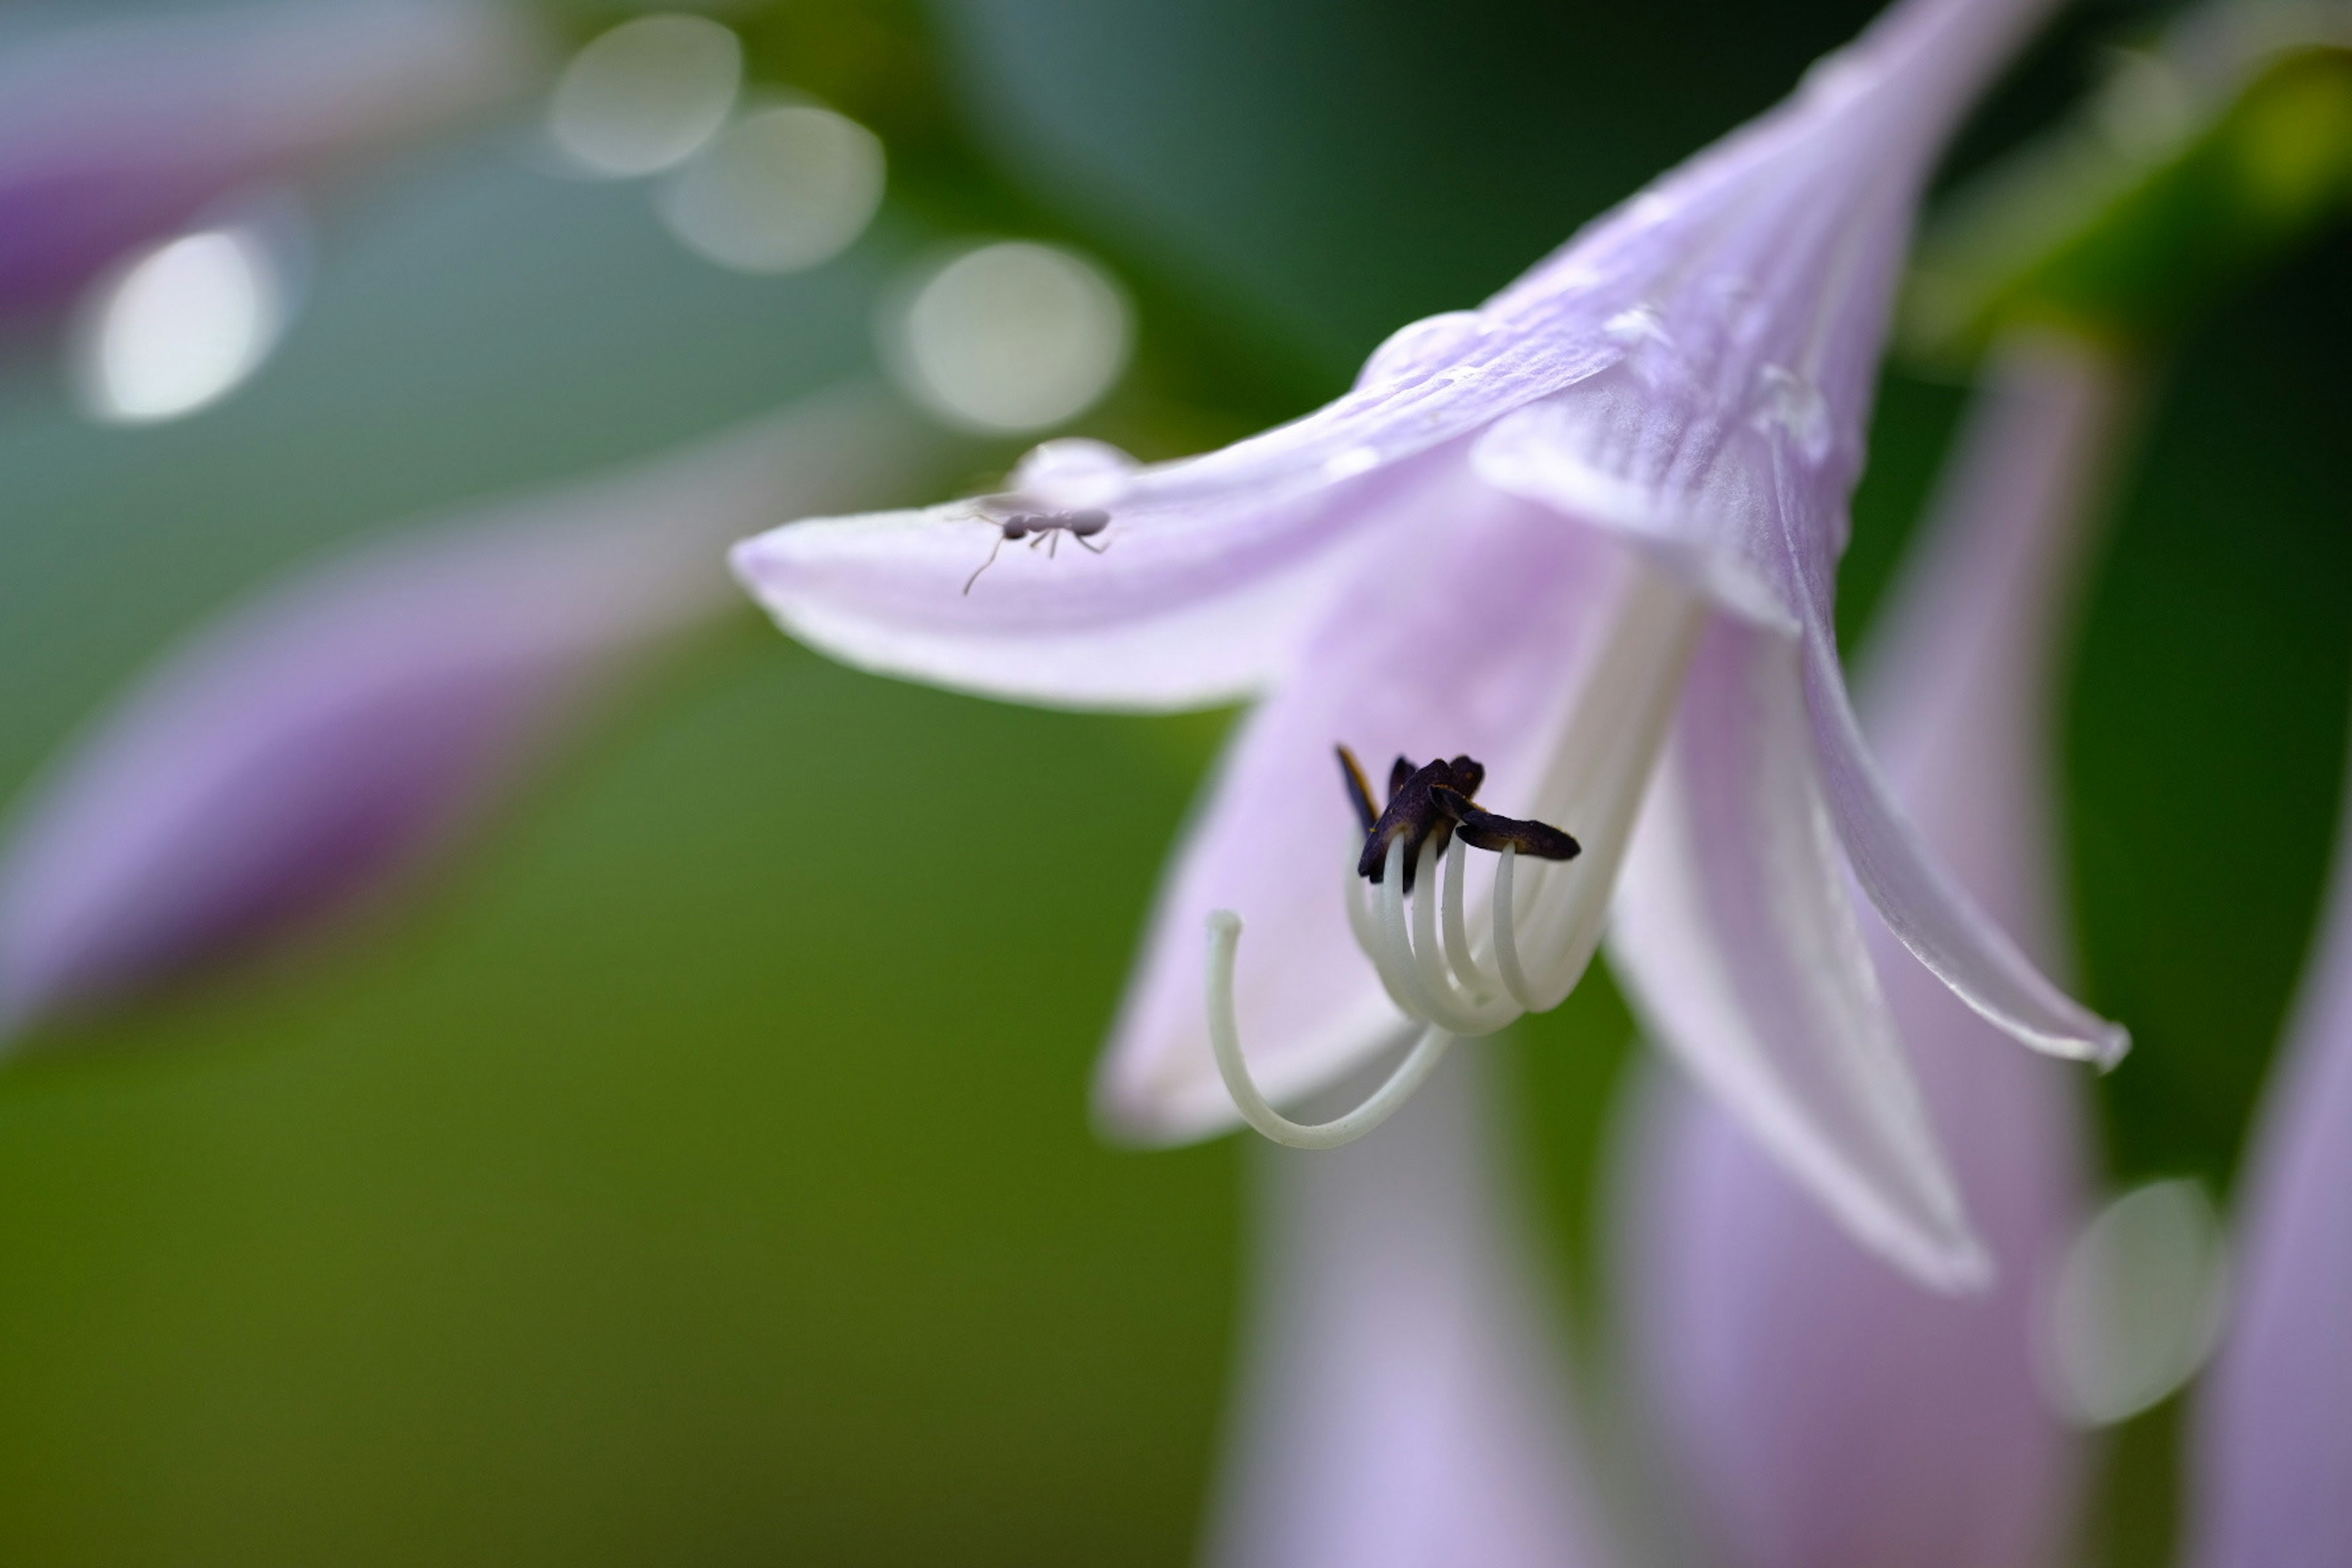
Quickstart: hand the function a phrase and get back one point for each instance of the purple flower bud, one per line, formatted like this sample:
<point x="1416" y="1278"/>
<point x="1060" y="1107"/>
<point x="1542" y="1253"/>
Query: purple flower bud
<point x="315" y="746"/>
<point x="1402" y="1400"/>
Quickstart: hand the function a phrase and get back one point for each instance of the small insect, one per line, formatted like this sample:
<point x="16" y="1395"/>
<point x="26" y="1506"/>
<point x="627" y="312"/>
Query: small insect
<point x="1044" y="528"/>
<point x="1433" y="802"/>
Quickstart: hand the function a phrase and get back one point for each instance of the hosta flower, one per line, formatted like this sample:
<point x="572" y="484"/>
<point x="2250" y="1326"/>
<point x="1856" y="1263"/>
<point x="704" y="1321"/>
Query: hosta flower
<point x="2273" y="1419"/>
<point x="1585" y="535"/>
<point x="1399" y="1400"/>
<point x="1402" y="1400"/>
<point x="1827" y="1414"/>
<point x="115" y="132"/>
<point x="317" y="746"/>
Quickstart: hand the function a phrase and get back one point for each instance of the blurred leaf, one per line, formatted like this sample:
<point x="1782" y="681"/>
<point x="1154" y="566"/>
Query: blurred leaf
<point x="2205" y="743"/>
<point x="2145" y="209"/>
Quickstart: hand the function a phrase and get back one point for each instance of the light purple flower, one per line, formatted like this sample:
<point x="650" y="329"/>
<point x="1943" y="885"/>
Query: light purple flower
<point x="1402" y="1399"/>
<point x="1828" y="1413"/>
<point x="1586" y="534"/>
<point x="2272" y="1451"/>
<point x="117" y="132"/>
<point x="315" y="746"/>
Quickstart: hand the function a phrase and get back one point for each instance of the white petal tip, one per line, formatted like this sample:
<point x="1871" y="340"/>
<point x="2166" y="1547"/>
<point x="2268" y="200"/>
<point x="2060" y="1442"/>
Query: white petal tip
<point x="746" y="557"/>
<point x="2102" y="1044"/>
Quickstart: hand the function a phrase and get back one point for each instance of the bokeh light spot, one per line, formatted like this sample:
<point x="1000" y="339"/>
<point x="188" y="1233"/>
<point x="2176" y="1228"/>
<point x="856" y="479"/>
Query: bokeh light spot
<point x="1009" y="337"/>
<point x="646" y="95"/>
<point x="180" y="327"/>
<point x="2136" y="1304"/>
<point x="779" y="191"/>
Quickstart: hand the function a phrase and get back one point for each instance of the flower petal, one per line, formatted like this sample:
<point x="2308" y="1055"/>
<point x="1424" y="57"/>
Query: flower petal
<point x="1728" y="439"/>
<point x="1928" y="910"/>
<point x="1402" y="1403"/>
<point x="1732" y="424"/>
<point x="1183" y="607"/>
<point x="1736" y="932"/>
<point x="1751" y="285"/>
<point x="1829" y="1413"/>
<point x="1753" y="513"/>
<point x="1390" y="671"/>
<point x="1749" y="294"/>
<point x="314" y="747"/>
<point x="1766" y="260"/>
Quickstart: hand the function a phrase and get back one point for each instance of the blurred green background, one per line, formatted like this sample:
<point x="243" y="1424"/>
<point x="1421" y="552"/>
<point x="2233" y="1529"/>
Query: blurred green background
<point x="701" y="1173"/>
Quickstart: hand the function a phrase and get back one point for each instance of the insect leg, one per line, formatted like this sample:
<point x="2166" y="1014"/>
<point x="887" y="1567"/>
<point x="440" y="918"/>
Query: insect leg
<point x="983" y="565"/>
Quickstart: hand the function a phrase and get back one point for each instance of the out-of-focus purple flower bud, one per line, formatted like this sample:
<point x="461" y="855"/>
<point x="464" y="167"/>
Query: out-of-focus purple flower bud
<point x="2272" y="1461"/>
<point x="1402" y="1402"/>
<point x="115" y="133"/>
<point x="1829" y="1413"/>
<point x="314" y="747"/>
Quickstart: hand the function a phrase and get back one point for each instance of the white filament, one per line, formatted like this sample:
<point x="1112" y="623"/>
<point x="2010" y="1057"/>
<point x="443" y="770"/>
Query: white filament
<point x="1461" y="1003"/>
<point x="1462" y="983"/>
<point x="1225" y="1040"/>
<point x="1418" y="977"/>
<point x="1507" y="940"/>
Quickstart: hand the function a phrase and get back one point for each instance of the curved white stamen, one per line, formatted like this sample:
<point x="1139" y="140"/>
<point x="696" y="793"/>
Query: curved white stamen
<point x="1507" y="937"/>
<point x="1364" y="923"/>
<point x="1429" y="959"/>
<point x="1427" y="991"/>
<point x="1458" y="952"/>
<point x="1364" y="920"/>
<point x="1385" y="943"/>
<point x="1471" y="1007"/>
<point x="1225" y="1041"/>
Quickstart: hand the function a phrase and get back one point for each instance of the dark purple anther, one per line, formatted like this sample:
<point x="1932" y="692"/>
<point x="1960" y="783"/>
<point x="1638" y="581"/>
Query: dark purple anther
<point x="1435" y="801"/>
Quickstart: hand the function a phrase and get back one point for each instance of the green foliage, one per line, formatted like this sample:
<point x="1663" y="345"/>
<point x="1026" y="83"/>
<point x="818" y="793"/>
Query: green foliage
<point x="709" y="1181"/>
<point x="2148" y="210"/>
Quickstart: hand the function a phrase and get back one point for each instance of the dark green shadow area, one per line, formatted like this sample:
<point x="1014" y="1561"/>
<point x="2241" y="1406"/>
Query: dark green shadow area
<point x="2206" y="738"/>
